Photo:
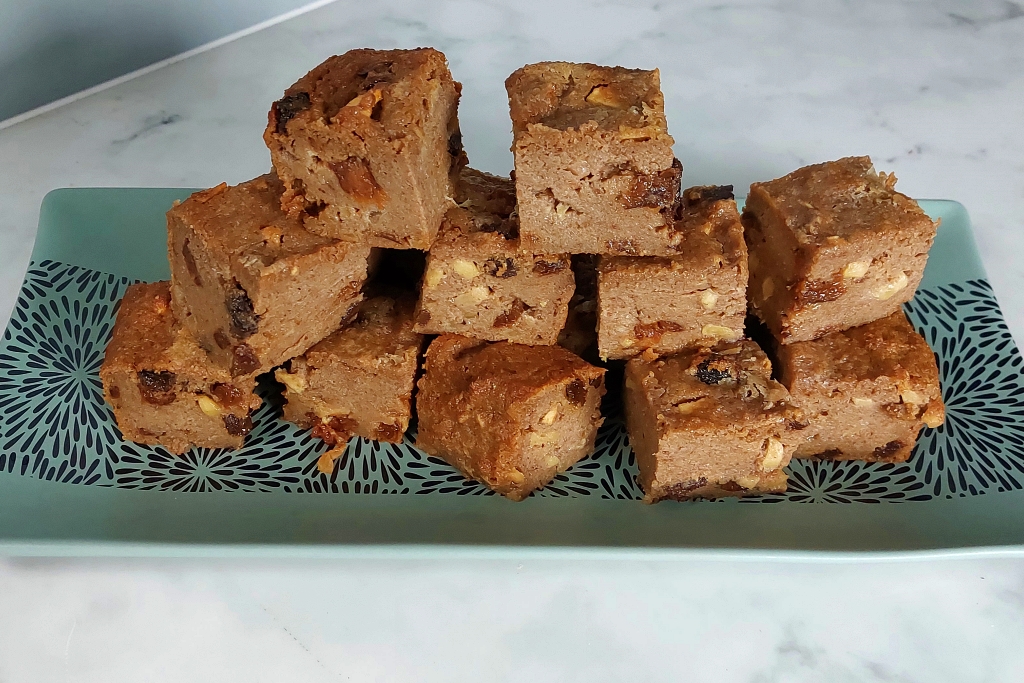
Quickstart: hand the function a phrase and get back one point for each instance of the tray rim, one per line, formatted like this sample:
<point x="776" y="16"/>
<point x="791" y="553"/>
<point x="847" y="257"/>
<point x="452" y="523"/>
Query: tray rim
<point x="142" y="258"/>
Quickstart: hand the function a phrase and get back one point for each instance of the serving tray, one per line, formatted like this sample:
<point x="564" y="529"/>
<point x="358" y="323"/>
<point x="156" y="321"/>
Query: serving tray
<point x="70" y="485"/>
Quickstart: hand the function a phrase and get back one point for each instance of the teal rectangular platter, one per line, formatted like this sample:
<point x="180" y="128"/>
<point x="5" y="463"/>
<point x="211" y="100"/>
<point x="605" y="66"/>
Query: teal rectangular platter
<point x="69" y="485"/>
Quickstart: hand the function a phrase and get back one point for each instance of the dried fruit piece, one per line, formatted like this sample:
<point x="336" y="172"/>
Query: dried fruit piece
<point x="221" y="339"/>
<point x="655" y="330"/>
<point x="244" y="321"/>
<point x="707" y="193"/>
<point x="227" y="394"/>
<point x="356" y="179"/>
<point x="237" y="426"/>
<point x="679" y="491"/>
<point x="157" y="387"/>
<point x="190" y="264"/>
<point x="541" y="267"/>
<point x="244" y="360"/>
<point x="500" y="267"/>
<point x="285" y="109"/>
<point x="455" y="145"/>
<point x="576" y="392"/>
<point x="713" y="370"/>
<point x="888" y="450"/>
<point x="387" y="432"/>
<point x="512" y="315"/>
<point x="656" y="190"/>
<point x="820" y="291"/>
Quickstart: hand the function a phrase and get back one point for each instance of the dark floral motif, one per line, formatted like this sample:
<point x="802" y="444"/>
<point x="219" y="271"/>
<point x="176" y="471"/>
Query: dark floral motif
<point x="274" y="458"/>
<point x="980" y="448"/>
<point x="55" y="425"/>
<point x="609" y="472"/>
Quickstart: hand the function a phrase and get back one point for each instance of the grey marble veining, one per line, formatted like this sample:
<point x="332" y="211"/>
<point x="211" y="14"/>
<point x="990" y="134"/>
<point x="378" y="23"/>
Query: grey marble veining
<point x="931" y="90"/>
<point x="532" y="621"/>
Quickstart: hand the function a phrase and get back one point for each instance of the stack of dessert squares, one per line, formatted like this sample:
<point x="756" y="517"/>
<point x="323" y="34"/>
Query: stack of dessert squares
<point x="372" y="267"/>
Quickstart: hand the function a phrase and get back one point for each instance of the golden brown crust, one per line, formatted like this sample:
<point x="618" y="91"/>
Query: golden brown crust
<point x="867" y="391"/>
<point x="562" y="95"/>
<point x="367" y="144"/>
<point x="246" y="222"/>
<point x="832" y="246"/>
<point x="709" y="421"/>
<point x="841" y="199"/>
<point x="161" y="385"/>
<point x="508" y="415"/>
<point x="479" y="282"/>
<point x="252" y="285"/>
<point x="359" y="380"/>
<point x="594" y="167"/>
<point x="146" y="336"/>
<point x="344" y="89"/>
<point x="668" y="303"/>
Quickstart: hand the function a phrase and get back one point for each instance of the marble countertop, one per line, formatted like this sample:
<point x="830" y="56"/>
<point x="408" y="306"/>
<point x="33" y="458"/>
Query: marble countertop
<point x="933" y="91"/>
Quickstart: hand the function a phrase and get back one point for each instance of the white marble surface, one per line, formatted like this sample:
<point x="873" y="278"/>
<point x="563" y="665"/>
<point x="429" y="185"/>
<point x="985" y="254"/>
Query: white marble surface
<point x="932" y="90"/>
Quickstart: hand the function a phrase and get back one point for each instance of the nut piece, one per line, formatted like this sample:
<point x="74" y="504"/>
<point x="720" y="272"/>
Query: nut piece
<point x="767" y="287"/>
<point x="549" y="417"/>
<point x="472" y="298"/>
<point x="434" y="276"/>
<point x="708" y="298"/>
<point x="541" y="438"/>
<point x="295" y="382"/>
<point x="325" y="463"/>
<point x="911" y="396"/>
<point x="690" y="407"/>
<point x="210" y="407"/>
<point x="364" y="104"/>
<point x="356" y="179"/>
<point x="855" y="270"/>
<point x="465" y="269"/>
<point x="553" y="461"/>
<point x="773" y="454"/>
<point x="561" y="208"/>
<point x="517" y="477"/>
<point x="749" y="481"/>
<point x="719" y="332"/>
<point x="270" y="235"/>
<point x="887" y="291"/>
<point x="605" y="96"/>
<point x="863" y="402"/>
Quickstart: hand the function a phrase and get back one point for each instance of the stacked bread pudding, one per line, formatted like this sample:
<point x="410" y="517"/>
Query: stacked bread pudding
<point x="373" y="263"/>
